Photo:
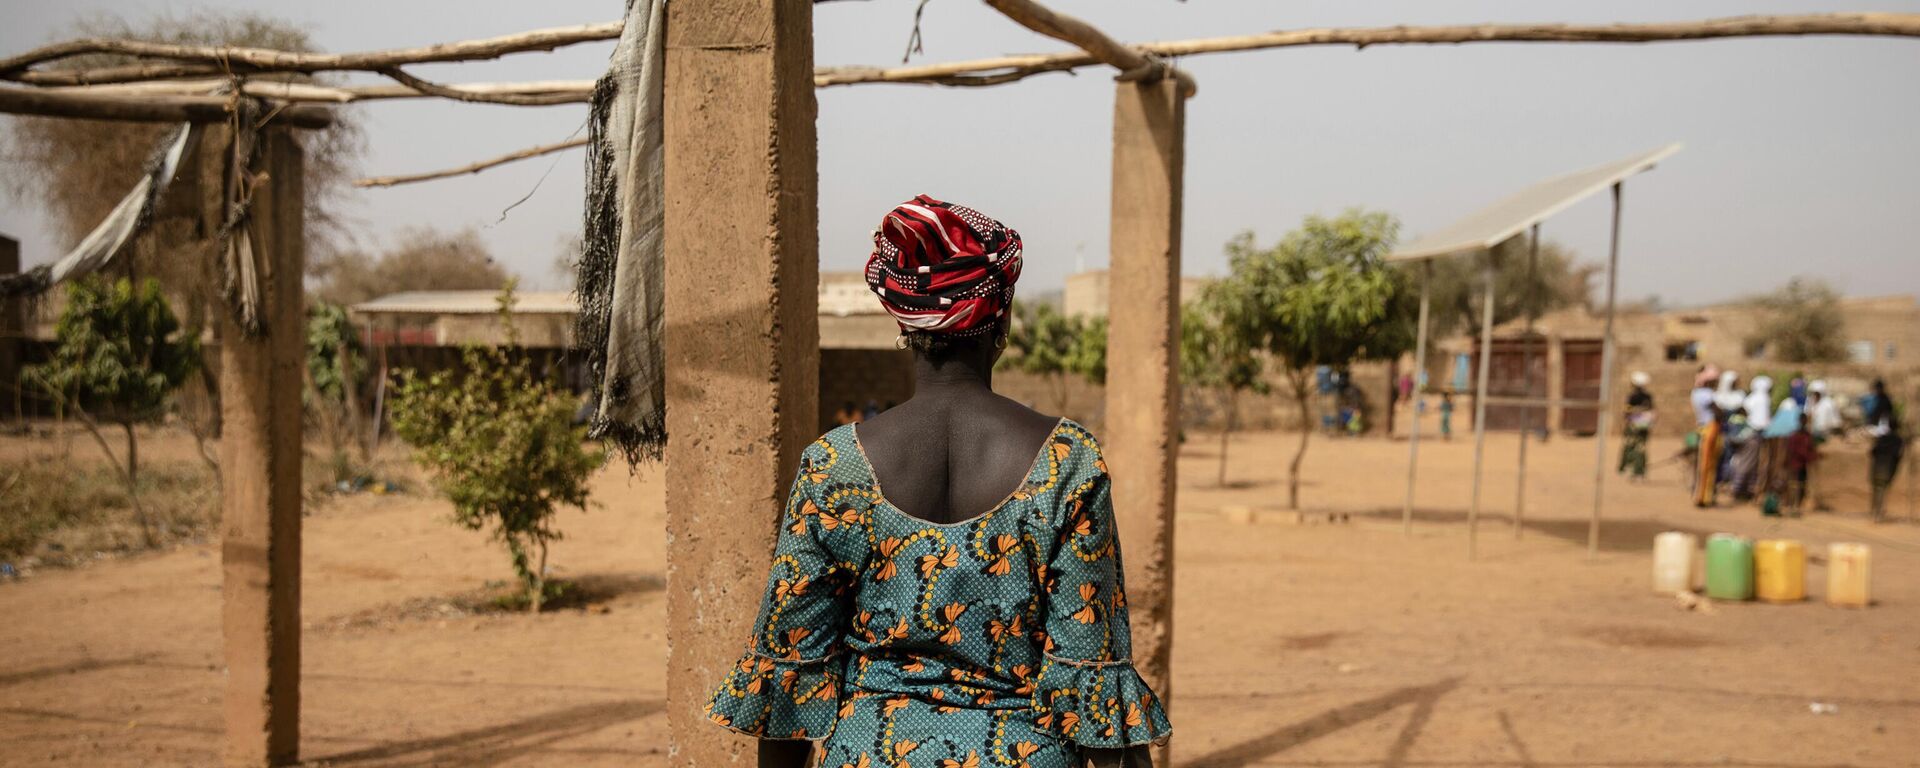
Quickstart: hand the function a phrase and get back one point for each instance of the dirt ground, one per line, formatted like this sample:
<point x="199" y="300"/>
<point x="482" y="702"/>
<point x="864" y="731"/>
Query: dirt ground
<point x="1328" y="644"/>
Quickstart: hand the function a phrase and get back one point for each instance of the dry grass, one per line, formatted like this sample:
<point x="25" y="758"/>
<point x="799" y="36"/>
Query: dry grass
<point x="57" y="512"/>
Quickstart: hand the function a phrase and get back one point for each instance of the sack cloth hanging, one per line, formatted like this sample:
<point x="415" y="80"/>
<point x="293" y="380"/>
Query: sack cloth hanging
<point x="622" y="264"/>
<point x="128" y="218"/>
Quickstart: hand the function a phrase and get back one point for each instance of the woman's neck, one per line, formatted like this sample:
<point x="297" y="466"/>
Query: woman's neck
<point x="967" y="371"/>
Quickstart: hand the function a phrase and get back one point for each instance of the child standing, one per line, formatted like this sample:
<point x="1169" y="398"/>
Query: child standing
<point x="1802" y="452"/>
<point x="1446" y="415"/>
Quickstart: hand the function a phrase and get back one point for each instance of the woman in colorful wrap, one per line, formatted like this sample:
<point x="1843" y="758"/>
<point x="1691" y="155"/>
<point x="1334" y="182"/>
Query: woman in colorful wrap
<point x="1706" y="475"/>
<point x="973" y="614"/>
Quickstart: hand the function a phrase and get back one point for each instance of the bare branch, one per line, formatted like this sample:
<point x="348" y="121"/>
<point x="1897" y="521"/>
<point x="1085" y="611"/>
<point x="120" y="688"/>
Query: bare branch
<point x="459" y="94"/>
<point x="1132" y="63"/>
<point x="388" y="181"/>
<point x="152" y="109"/>
<point x="978" y="72"/>
<point x="560" y="91"/>
<point x="219" y="59"/>
<point x="1009" y="68"/>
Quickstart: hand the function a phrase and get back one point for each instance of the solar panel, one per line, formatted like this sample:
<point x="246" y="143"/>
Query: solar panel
<point x="1513" y="214"/>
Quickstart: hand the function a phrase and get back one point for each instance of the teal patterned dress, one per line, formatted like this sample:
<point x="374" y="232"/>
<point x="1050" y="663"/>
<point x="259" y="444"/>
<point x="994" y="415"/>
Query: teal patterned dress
<point x="1001" y="640"/>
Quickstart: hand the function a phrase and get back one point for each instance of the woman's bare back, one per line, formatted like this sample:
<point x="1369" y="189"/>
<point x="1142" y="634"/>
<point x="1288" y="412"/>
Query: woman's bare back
<point x="948" y="459"/>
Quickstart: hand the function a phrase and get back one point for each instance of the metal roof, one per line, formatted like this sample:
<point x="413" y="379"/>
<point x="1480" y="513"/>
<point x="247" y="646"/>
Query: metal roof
<point x="468" y="303"/>
<point x="1513" y="214"/>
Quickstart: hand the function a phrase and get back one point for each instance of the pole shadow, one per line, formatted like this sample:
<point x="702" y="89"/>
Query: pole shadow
<point x="1254" y="750"/>
<point x="497" y="743"/>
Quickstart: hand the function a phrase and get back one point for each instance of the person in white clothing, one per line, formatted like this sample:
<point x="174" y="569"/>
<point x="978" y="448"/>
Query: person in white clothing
<point x="1823" y="411"/>
<point x="1759" y="403"/>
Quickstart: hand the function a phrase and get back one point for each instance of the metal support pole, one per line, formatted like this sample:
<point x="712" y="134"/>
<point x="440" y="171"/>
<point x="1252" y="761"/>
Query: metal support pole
<point x="1526" y="379"/>
<point x="1606" y="382"/>
<point x="1480" y="403"/>
<point x="1419" y="376"/>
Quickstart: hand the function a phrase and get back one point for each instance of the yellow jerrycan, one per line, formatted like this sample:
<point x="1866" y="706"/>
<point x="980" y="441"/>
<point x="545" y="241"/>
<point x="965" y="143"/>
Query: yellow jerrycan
<point x="1849" y="574"/>
<point x="1779" y="570"/>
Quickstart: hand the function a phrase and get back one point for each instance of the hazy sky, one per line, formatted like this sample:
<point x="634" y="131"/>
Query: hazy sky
<point x="1801" y="154"/>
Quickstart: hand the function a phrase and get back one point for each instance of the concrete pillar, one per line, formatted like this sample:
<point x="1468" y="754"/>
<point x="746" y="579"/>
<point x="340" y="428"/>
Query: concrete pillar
<point x="260" y="381"/>
<point x="1143" y="348"/>
<point x="13" y="335"/>
<point x="742" y="344"/>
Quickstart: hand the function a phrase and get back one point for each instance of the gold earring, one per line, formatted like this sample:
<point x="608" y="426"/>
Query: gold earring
<point x="900" y="341"/>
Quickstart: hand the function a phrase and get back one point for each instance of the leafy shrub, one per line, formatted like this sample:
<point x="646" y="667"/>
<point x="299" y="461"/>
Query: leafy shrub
<point x="501" y="444"/>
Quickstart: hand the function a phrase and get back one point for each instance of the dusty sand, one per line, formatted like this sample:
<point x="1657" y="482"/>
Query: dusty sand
<point x="1297" y="644"/>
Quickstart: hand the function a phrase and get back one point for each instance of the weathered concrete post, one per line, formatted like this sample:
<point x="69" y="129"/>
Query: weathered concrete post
<point x="260" y="380"/>
<point x="742" y="346"/>
<point x="1143" y="348"/>
<point x="13" y="334"/>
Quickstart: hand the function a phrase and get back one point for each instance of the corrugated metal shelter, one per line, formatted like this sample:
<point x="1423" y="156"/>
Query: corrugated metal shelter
<point x="1481" y="233"/>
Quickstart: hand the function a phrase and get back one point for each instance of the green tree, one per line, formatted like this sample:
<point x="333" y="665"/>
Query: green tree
<point x="333" y="374"/>
<point x="1326" y="297"/>
<point x="119" y="352"/>
<point x="501" y="444"/>
<point x="1557" y="281"/>
<point x="1052" y="345"/>
<point x="1801" y="323"/>
<point x="424" y="259"/>
<point x="1220" y="351"/>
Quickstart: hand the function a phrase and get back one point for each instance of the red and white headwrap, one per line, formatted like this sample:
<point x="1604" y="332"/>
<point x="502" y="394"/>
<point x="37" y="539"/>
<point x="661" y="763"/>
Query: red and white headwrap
<point x="943" y="268"/>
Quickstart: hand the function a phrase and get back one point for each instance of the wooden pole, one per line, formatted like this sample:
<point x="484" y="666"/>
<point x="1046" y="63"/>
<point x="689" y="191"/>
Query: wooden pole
<point x="1007" y="69"/>
<point x="1526" y="378"/>
<point x="214" y="61"/>
<point x="260" y="457"/>
<point x="743" y="352"/>
<point x="159" y="108"/>
<point x="1143" y="381"/>
<point x="1480" y="403"/>
<point x="224" y="59"/>
<point x="1419" y="374"/>
<point x="1133" y="64"/>
<point x="1606" y="381"/>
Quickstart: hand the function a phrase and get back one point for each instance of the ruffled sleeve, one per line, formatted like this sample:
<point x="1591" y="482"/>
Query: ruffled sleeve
<point x="1088" y="690"/>
<point x="787" y="684"/>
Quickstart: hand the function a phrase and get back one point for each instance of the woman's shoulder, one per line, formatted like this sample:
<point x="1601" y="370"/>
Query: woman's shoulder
<point x="1075" y="451"/>
<point x="836" y="452"/>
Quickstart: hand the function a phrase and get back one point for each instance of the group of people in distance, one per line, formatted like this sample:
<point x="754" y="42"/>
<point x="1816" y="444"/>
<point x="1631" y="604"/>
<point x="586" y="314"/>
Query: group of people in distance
<point x="1754" y="445"/>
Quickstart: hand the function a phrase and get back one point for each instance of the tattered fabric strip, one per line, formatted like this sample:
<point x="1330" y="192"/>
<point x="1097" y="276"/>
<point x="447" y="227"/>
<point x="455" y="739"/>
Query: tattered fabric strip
<point x="239" y="264"/>
<point x="131" y="216"/>
<point x="622" y="265"/>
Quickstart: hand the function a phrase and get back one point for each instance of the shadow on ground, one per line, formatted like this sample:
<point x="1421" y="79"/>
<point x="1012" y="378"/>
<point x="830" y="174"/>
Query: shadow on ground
<point x="1618" y="535"/>
<point x="497" y="743"/>
<point x="584" y="592"/>
<point x="1257" y="749"/>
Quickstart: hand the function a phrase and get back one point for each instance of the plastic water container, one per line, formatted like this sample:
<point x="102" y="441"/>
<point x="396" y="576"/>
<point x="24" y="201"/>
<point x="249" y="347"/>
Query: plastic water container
<point x="1729" y="567"/>
<point x="1849" y="575"/>
<point x="1673" y="562"/>
<point x="1780" y="570"/>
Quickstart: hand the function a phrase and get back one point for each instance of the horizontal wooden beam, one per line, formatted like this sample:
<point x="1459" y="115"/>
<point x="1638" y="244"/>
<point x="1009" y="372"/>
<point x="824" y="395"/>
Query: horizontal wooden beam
<point x="192" y="60"/>
<point x="978" y="72"/>
<point x="150" y="109"/>
<point x="1007" y="69"/>
<point x="1132" y="63"/>
<point x="559" y="91"/>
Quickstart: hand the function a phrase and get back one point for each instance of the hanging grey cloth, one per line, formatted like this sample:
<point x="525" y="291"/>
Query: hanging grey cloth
<point x="111" y="235"/>
<point x="622" y="263"/>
